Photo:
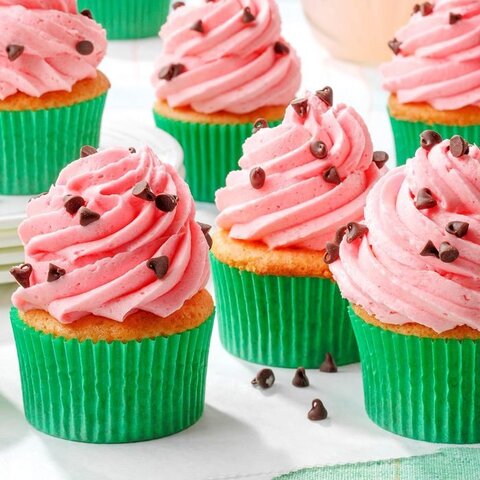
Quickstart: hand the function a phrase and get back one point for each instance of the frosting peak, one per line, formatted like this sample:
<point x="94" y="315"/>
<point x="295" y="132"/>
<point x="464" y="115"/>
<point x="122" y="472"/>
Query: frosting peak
<point x="69" y="6"/>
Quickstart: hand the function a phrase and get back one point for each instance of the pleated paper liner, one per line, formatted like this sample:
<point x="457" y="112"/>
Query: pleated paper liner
<point x="128" y="19"/>
<point x="407" y="135"/>
<point x="421" y="388"/>
<point x="211" y="151"/>
<point x="281" y="321"/>
<point x="112" y="392"/>
<point x="36" y="144"/>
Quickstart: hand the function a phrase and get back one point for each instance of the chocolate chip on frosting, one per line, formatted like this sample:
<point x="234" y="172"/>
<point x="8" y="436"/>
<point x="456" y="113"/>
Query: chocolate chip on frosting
<point x="168" y="72"/>
<point x="326" y="95"/>
<point x="331" y="253"/>
<point x="318" y="411"/>
<point x="459" y="229"/>
<point x="198" y="27"/>
<point x="330" y="175"/>
<point x="339" y="234"/>
<point x="394" y="46"/>
<point x="247" y="16"/>
<point x="355" y="230"/>
<point x="458" y="146"/>
<point x="54" y="272"/>
<point x="159" y="265"/>
<point x="318" y="149"/>
<point x="416" y="8"/>
<point x="447" y="253"/>
<point x="176" y="5"/>
<point x="22" y="274"/>
<point x="142" y="190"/>
<point x="132" y="150"/>
<point x="259" y="124"/>
<point x="257" y="177"/>
<point x="84" y="47"/>
<point x="380" y="158"/>
<point x="425" y="199"/>
<point x="88" y="216"/>
<point x="281" y="48"/>
<point x="426" y="8"/>
<point x="264" y="378"/>
<point x="14" y="51"/>
<point x="429" y="138"/>
<point x="300" y="105"/>
<point x="300" y="378"/>
<point x="166" y="202"/>
<point x="206" y="231"/>
<point x="328" y="365"/>
<point x="87" y="13"/>
<point x="453" y="18"/>
<point x="87" y="150"/>
<point x="429" y="250"/>
<point x="73" y="203"/>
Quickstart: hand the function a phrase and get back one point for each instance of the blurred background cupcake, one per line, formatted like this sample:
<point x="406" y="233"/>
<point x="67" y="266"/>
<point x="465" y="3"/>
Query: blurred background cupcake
<point x="51" y="94"/>
<point x="112" y="322"/>
<point x="223" y="65"/>
<point x="413" y="279"/>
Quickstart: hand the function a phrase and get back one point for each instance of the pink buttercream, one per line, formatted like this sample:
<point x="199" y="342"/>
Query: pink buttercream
<point x="438" y="63"/>
<point x="296" y="207"/>
<point x="384" y="273"/>
<point x="105" y="262"/>
<point x="232" y="66"/>
<point x="49" y="31"/>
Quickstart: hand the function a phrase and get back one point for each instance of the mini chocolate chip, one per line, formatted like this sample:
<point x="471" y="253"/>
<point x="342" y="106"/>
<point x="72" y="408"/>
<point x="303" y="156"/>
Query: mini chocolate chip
<point x="87" y="150"/>
<point x="380" y="158"/>
<point x="426" y="8"/>
<point x="73" y="203"/>
<point x="168" y="72"/>
<point x="318" y="411"/>
<point x="259" y="124"/>
<point x="425" y="199"/>
<point x="458" y="146"/>
<point x="159" y="265"/>
<point x="264" y="379"/>
<point x="339" y="234"/>
<point x="394" y="46"/>
<point x="300" y="379"/>
<point x="132" y="150"/>
<point x="88" y="216"/>
<point x="176" y="5"/>
<point x="318" y="149"/>
<point x="198" y="27"/>
<point x="454" y="18"/>
<point x="142" y="190"/>
<point x="87" y="13"/>
<point x="326" y="95"/>
<point x="257" y="177"/>
<point x="205" y="230"/>
<point x="416" y="8"/>
<point x="247" y="16"/>
<point x="14" y="51"/>
<point x="328" y="365"/>
<point x="300" y="105"/>
<point x="166" y="202"/>
<point x="331" y="253"/>
<point x="330" y="175"/>
<point x="54" y="273"/>
<point x="209" y="240"/>
<point x="429" y="250"/>
<point x="84" y="47"/>
<point x="459" y="229"/>
<point x="281" y="48"/>
<point x="447" y="253"/>
<point x="429" y="138"/>
<point x="22" y="274"/>
<point x="355" y="230"/>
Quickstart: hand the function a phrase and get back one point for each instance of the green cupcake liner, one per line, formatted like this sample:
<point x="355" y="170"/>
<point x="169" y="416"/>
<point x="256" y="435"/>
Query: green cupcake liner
<point x="211" y="151"/>
<point x="282" y="321"/>
<point x="422" y="388"/>
<point x="112" y="392"/>
<point x="128" y="19"/>
<point x="36" y="144"/>
<point x="407" y="135"/>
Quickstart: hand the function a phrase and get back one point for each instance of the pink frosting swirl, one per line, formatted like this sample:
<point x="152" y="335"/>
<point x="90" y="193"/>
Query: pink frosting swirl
<point x="45" y="36"/>
<point x="297" y="207"/>
<point x="439" y="57"/>
<point x="106" y="261"/>
<point x="232" y="66"/>
<point x="384" y="272"/>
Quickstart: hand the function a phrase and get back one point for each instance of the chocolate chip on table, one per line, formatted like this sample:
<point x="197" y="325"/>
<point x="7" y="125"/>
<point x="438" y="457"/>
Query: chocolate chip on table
<point x="168" y="72"/>
<point x="176" y="5"/>
<point x="355" y="230"/>
<point x="88" y="216"/>
<point x="300" y="105"/>
<point x="459" y="229"/>
<point x="159" y="265"/>
<point x="429" y="138"/>
<point x="259" y="124"/>
<point x="339" y="234"/>
<point x="281" y="48"/>
<point x="198" y="27"/>
<point x="84" y="47"/>
<point x="54" y="273"/>
<point x="73" y="203"/>
<point x="447" y="253"/>
<point x="426" y="8"/>
<point x="142" y="190"/>
<point x="425" y="199"/>
<point x="318" y="411"/>
<point x="264" y="378"/>
<point x="429" y="250"/>
<point x="394" y="46"/>
<point x="380" y="158"/>
<point x="166" y="202"/>
<point x="328" y="365"/>
<point x="247" y="16"/>
<point x="458" y="146"/>
<point x="87" y="13"/>
<point x="300" y="378"/>
<point x="332" y="252"/>
<point x="22" y="274"/>
<point x="454" y="18"/>
<point x="257" y="177"/>
<point x="14" y="51"/>
<point x="326" y="95"/>
<point x="87" y="150"/>
<point x="330" y="175"/>
<point x="318" y="149"/>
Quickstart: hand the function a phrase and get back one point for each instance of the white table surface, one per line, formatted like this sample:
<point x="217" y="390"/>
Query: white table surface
<point x="244" y="433"/>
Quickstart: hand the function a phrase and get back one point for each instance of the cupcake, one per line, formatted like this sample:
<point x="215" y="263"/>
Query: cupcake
<point x="223" y="66"/>
<point x="434" y="78"/>
<point x="413" y="278"/>
<point x="51" y="93"/>
<point x="299" y="182"/>
<point x="124" y="19"/>
<point x="111" y="320"/>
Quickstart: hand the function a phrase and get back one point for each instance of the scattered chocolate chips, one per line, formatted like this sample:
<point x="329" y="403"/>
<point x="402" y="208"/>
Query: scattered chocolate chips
<point x="264" y="379"/>
<point x="394" y="46"/>
<point x="198" y="27"/>
<point x="14" y="51"/>
<point x="87" y="150"/>
<point x="454" y="18"/>
<point x="22" y="274"/>
<point x="339" y="234"/>
<point x="328" y="365"/>
<point x="300" y="105"/>
<point x="429" y="138"/>
<point x="426" y="8"/>
<point x="142" y="190"/>
<point x="87" y="13"/>
<point x="73" y="203"/>
<point x="257" y="177"/>
<point x="318" y="149"/>
<point x="330" y="175"/>
<point x="318" y="411"/>
<point x="132" y="150"/>
<point x="176" y="5"/>
<point x="281" y="48"/>
<point x="429" y="250"/>
<point x="425" y="199"/>
<point x="247" y="16"/>
<point x="355" y="230"/>
<point x="326" y="95"/>
<point x="206" y="231"/>
<point x="168" y="72"/>
<point x="300" y="378"/>
<point x="88" y="216"/>
<point x="331" y="253"/>
<point x="54" y="273"/>
<point x="458" y="146"/>
<point x="447" y="253"/>
<point x="159" y="265"/>
<point x="84" y="47"/>
<point x="459" y="229"/>
<point x="259" y="124"/>
<point x="166" y="202"/>
<point x="380" y="158"/>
